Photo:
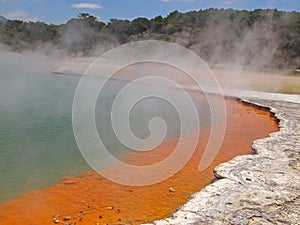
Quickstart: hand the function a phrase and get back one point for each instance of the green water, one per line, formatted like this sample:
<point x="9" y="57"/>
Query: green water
<point x="37" y="146"/>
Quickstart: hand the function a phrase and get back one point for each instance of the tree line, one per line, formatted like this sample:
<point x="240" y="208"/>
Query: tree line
<point x="260" y="38"/>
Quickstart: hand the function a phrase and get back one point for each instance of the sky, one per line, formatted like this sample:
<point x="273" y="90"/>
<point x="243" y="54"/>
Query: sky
<point x="60" y="11"/>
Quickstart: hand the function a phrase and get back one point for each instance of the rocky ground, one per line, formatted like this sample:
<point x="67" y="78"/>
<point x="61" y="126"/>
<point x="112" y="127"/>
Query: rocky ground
<point x="254" y="189"/>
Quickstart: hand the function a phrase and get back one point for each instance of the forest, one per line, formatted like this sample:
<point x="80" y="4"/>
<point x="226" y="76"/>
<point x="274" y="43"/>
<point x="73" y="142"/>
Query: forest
<point x="260" y="39"/>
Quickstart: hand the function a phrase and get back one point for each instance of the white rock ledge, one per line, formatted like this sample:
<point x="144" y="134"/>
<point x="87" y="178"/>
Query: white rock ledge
<point x="254" y="189"/>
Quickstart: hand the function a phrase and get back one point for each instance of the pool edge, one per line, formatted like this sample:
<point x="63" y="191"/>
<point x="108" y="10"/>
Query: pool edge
<point x="265" y="188"/>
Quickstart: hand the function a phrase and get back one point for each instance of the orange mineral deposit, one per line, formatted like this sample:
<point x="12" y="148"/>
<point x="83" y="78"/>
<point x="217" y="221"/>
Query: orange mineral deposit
<point x="90" y="199"/>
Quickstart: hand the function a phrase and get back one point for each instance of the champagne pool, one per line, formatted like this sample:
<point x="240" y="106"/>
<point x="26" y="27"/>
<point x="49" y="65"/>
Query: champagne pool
<point x="38" y="149"/>
<point x="37" y="145"/>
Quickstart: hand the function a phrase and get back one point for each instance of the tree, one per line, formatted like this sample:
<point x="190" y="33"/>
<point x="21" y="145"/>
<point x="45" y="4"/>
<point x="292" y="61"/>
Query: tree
<point x="120" y="29"/>
<point x="139" y="26"/>
<point x="216" y="34"/>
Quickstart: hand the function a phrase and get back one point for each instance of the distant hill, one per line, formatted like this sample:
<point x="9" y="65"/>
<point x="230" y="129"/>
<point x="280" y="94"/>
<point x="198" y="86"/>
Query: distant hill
<point x="3" y="19"/>
<point x="262" y="39"/>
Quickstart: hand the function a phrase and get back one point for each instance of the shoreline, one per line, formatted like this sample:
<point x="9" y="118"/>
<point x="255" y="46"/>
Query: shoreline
<point x="69" y="196"/>
<point x="265" y="189"/>
<point x="278" y="193"/>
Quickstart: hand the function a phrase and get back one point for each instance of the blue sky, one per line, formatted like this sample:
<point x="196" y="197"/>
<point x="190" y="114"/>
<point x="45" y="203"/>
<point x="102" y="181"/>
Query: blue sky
<point x="59" y="11"/>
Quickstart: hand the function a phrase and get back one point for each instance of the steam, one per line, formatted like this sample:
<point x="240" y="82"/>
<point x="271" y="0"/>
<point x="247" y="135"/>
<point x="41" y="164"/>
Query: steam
<point x="254" y="49"/>
<point x="241" y="57"/>
<point x="223" y="45"/>
<point x="228" y="47"/>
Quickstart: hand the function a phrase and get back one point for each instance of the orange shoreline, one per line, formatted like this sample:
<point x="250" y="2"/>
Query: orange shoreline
<point x="90" y="199"/>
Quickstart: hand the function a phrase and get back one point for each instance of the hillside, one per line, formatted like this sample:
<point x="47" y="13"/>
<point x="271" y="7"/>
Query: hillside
<point x="259" y="39"/>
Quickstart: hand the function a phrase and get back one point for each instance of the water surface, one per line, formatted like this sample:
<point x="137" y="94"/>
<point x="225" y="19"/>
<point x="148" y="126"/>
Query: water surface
<point x="37" y="145"/>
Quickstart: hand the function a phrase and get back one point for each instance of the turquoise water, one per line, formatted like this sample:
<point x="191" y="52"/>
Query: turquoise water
<point x="37" y="146"/>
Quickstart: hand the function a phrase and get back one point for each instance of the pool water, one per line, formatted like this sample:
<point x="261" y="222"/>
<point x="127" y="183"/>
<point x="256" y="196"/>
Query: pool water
<point x="37" y="145"/>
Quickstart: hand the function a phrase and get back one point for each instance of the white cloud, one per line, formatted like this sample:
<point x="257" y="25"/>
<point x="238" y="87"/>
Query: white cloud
<point x="86" y="6"/>
<point x="229" y="2"/>
<point x="178" y="0"/>
<point x="20" y="14"/>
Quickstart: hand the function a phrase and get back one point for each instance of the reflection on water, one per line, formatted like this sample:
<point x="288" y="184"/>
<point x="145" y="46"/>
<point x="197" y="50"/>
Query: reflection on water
<point x="37" y="146"/>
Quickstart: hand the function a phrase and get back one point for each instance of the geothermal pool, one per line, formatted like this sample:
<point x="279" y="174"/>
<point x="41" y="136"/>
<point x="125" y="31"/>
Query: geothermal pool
<point x="38" y="150"/>
<point x="38" y="147"/>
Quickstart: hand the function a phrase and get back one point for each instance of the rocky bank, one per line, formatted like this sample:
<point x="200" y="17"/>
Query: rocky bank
<point x="254" y="189"/>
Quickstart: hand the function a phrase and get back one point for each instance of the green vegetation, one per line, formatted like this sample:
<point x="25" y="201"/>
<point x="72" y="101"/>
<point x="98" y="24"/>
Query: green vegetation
<point x="257" y="39"/>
